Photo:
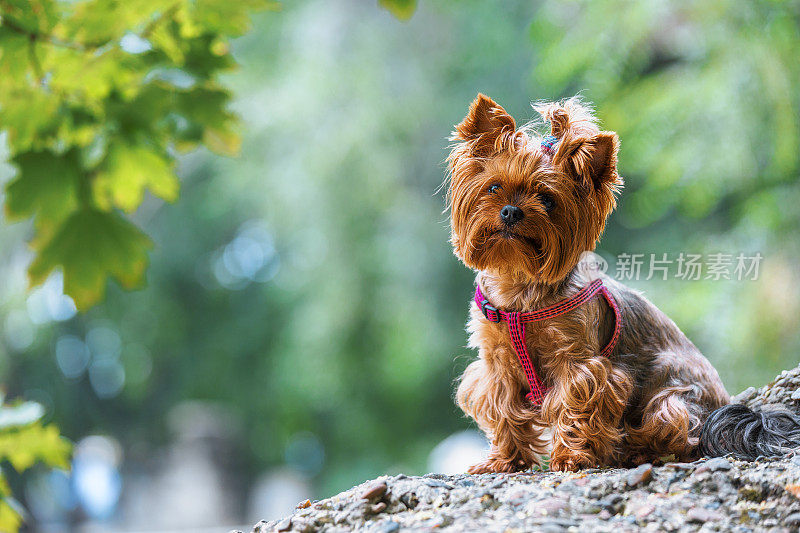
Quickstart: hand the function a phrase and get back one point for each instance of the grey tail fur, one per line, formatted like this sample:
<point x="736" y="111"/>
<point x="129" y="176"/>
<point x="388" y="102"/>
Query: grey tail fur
<point x="749" y="434"/>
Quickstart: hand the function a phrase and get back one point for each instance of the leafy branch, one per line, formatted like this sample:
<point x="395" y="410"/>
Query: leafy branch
<point x="97" y="98"/>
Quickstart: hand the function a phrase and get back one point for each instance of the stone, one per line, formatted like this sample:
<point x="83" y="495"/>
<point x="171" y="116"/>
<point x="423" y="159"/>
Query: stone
<point x="611" y="502"/>
<point x="390" y="526"/>
<point x="409" y="499"/>
<point x="374" y="491"/>
<point x="643" y="511"/>
<point x="794" y="490"/>
<point x="378" y="508"/>
<point x="548" y="506"/>
<point x="718" y="463"/>
<point x="438" y="521"/>
<point x="435" y="483"/>
<point x="497" y="484"/>
<point x="640" y="474"/>
<point x="793" y="520"/>
<point x="717" y="494"/>
<point x="680" y="466"/>
<point x="699" y="515"/>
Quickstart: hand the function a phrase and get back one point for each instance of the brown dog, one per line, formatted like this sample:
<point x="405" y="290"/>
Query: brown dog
<point x="524" y="208"/>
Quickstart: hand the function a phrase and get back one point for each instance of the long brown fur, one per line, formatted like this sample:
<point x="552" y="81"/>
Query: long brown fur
<point x="646" y="400"/>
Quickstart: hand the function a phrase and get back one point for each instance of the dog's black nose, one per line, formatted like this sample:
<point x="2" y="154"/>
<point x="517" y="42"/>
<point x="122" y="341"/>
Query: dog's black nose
<point x="511" y="214"/>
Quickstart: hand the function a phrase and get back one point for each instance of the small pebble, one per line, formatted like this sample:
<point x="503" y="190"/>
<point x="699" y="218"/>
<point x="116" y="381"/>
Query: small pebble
<point x="714" y="465"/>
<point x="378" y="508"/>
<point x="374" y="492"/>
<point x="680" y="466"/>
<point x="285" y="524"/>
<point x="438" y="484"/>
<point x="794" y="490"/>
<point x="640" y="474"/>
<point x="390" y="526"/>
<point x="611" y="502"/>
<point x="701" y="515"/>
<point x="644" y="511"/>
<point x="793" y="520"/>
<point x="549" y="506"/>
<point x="497" y="484"/>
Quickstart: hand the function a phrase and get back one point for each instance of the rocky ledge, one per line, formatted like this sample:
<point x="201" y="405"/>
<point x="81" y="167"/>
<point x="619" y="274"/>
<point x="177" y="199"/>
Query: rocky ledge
<point x="719" y="494"/>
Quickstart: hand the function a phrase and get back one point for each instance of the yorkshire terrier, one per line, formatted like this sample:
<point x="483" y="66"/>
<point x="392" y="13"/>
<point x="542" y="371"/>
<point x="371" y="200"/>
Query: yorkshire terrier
<point x="572" y="362"/>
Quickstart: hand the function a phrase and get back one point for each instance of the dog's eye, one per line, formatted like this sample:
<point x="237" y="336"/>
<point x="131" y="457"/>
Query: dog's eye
<point x="548" y="202"/>
<point x="494" y="188"/>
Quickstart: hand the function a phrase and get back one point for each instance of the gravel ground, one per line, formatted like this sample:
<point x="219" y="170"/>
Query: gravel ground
<point x="720" y="494"/>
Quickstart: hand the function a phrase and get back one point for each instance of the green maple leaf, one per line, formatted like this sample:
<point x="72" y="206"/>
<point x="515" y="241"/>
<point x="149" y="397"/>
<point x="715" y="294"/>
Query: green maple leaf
<point x="96" y="22"/>
<point x="32" y="119"/>
<point x="46" y="187"/>
<point x="31" y="15"/>
<point x="205" y="107"/>
<point x="89" y="247"/>
<point x="10" y="517"/>
<point x="224" y="16"/>
<point x="14" y="59"/>
<point x="25" y="441"/>
<point x="28" y="445"/>
<point x="127" y="171"/>
<point x="402" y="9"/>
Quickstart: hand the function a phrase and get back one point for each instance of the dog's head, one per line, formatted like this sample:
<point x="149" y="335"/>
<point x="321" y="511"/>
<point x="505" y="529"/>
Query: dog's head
<point x="525" y="204"/>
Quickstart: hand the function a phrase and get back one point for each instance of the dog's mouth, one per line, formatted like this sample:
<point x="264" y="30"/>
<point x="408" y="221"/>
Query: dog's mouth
<point x="536" y="244"/>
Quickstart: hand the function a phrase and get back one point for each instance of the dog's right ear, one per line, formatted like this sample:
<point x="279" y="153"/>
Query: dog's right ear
<point x="485" y="123"/>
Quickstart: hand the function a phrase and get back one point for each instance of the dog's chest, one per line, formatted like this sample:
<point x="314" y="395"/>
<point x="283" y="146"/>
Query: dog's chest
<point x="547" y="344"/>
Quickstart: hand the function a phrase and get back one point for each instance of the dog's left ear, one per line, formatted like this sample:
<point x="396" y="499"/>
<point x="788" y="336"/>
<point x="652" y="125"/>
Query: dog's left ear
<point x="591" y="158"/>
<point x="483" y="125"/>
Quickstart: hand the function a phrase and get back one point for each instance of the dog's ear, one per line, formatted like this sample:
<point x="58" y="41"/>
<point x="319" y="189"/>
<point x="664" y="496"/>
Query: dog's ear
<point x="583" y="151"/>
<point x="483" y="125"/>
<point x="590" y="158"/>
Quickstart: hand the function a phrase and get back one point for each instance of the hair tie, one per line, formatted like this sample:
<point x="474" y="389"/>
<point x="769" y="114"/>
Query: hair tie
<point x="548" y="144"/>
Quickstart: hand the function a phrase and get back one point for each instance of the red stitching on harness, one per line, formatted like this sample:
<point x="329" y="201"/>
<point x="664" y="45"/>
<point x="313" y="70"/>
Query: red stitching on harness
<point x="516" y="328"/>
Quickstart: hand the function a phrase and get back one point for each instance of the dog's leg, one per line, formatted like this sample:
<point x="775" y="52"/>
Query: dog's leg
<point x="498" y="406"/>
<point x="586" y="411"/>
<point x="670" y="426"/>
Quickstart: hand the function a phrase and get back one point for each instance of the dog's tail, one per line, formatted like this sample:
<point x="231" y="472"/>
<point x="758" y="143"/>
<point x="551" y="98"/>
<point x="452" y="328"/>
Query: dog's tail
<point x="748" y="434"/>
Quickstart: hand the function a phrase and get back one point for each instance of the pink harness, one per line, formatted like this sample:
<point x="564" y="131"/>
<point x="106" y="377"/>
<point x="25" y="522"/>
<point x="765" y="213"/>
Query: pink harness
<point x="516" y="327"/>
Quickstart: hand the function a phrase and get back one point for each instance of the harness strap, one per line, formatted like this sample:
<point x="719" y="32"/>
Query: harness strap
<point x="516" y="328"/>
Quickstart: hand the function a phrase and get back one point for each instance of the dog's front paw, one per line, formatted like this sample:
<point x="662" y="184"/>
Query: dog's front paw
<point x="495" y="466"/>
<point x="567" y="463"/>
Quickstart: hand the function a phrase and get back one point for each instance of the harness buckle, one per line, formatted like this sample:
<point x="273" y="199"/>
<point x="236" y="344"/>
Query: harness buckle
<point x="485" y="307"/>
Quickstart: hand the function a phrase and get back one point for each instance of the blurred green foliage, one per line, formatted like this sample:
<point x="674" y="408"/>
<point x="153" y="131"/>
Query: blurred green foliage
<point x="702" y="93"/>
<point x="97" y="97"/>
<point x="25" y="441"/>
<point x="350" y="327"/>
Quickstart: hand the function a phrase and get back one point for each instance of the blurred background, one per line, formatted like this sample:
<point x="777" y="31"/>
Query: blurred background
<point x="302" y="323"/>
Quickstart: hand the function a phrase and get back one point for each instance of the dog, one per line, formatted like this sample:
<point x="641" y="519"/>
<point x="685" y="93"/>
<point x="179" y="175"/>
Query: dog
<point x="570" y="362"/>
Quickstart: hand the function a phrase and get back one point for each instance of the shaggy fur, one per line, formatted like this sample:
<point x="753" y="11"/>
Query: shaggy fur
<point x="647" y="400"/>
